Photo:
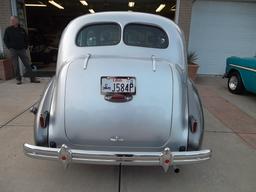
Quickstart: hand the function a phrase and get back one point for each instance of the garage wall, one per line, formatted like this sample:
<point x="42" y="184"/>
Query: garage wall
<point x="220" y="29"/>
<point x="183" y="16"/>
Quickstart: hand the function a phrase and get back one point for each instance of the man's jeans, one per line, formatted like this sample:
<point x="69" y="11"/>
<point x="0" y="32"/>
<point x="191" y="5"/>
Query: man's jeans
<point x="23" y="57"/>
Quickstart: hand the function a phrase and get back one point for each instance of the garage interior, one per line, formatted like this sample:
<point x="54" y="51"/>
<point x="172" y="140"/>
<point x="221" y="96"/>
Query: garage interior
<point x="47" y="19"/>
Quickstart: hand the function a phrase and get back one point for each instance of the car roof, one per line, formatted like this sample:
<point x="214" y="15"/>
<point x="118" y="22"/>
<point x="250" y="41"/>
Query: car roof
<point x="174" y="52"/>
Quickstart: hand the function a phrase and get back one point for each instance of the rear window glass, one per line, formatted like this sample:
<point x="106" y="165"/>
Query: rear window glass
<point x="99" y="35"/>
<point x="145" y="36"/>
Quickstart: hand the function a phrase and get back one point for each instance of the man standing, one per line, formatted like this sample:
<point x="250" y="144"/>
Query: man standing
<point x="16" y="40"/>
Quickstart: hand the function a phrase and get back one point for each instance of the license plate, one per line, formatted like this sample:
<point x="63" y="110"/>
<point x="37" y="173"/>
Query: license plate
<point x="125" y="85"/>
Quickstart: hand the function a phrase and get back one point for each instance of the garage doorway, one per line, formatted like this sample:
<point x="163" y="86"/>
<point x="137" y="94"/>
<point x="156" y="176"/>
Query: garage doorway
<point x="47" y="19"/>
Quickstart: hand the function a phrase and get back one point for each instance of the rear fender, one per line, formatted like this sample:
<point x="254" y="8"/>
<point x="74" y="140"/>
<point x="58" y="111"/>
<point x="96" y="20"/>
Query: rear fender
<point x="41" y="134"/>
<point x="195" y="114"/>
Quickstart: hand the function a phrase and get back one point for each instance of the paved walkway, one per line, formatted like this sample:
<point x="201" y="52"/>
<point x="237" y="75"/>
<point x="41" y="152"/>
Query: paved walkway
<point x="230" y="115"/>
<point x="240" y="121"/>
<point x="15" y="99"/>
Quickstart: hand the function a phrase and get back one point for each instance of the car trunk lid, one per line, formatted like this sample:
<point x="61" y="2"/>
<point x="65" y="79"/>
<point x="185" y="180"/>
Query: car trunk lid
<point x="144" y="121"/>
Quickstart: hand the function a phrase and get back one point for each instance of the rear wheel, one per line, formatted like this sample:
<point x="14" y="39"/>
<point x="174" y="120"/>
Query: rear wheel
<point x="235" y="83"/>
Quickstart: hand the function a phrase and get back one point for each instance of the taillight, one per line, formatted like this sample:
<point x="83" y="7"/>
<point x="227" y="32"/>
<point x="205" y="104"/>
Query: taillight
<point x="194" y="127"/>
<point x="44" y="119"/>
<point x="193" y="124"/>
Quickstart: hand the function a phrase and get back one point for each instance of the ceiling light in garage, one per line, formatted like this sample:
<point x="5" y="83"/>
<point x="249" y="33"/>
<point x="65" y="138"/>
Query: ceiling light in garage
<point x="91" y="11"/>
<point x="35" y="5"/>
<point x="173" y="8"/>
<point x="56" y="4"/>
<point x="160" y="8"/>
<point x="84" y="3"/>
<point x="131" y="4"/>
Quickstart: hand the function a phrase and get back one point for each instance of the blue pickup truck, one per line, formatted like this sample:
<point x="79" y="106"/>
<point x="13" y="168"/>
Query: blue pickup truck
<point x="241" y="74"/>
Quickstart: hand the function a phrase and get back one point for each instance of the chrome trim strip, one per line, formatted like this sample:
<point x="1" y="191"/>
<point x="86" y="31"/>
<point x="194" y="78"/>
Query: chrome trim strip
<point x="245" y="68"/>
<point x="164" y="159"/>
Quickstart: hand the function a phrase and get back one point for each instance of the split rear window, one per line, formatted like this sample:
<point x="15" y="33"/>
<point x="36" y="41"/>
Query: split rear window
<point x="145" y="36"/>
<point x="105" y="34"/>
<point x="99" y="35"/>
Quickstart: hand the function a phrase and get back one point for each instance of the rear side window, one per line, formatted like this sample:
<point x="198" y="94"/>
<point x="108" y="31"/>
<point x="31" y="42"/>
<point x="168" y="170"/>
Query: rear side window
<point x="145" y="36"/>
<point x="99" y="35"/>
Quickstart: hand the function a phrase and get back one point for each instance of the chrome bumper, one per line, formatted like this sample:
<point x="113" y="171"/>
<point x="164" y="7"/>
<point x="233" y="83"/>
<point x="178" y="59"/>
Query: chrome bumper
<point x="164" y="159"/>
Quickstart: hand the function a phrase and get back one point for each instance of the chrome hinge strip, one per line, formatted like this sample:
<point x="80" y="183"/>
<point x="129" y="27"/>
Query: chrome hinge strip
<point x="86" y="61"/>
<point x="153" y="63"/>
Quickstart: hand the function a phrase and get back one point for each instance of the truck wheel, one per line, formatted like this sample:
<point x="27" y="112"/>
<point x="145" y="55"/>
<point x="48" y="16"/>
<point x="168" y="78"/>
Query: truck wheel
<point x="235" y="84"/>
<point x="34" y="67"/>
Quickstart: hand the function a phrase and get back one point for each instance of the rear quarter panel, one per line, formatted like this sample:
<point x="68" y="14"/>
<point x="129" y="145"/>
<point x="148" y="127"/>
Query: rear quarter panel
<point x="195" y="111"/>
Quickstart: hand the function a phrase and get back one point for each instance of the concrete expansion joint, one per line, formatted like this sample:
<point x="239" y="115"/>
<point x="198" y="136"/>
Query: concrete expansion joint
<point x="228" y="132"/>
<point x="17" y="115"/>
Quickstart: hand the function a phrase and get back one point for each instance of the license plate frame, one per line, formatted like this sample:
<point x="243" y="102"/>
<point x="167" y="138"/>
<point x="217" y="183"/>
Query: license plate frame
<point x="109" y="85"/>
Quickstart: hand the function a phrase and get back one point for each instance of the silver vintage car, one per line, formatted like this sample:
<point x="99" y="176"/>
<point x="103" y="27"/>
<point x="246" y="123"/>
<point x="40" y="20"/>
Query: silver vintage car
<point x="121" y="95"/>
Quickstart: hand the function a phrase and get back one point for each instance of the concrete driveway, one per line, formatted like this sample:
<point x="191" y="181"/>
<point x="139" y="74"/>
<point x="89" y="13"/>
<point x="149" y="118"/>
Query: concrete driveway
<point x="231" y="169"/>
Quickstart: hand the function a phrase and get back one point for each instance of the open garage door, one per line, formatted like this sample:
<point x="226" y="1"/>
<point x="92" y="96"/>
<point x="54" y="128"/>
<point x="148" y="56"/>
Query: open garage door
<point x="47" y="19"/>
<point x="220" y="29"/>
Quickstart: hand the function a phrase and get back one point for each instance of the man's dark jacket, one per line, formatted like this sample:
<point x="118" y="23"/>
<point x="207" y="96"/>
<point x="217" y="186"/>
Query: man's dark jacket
<point x="16" y="38"/>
